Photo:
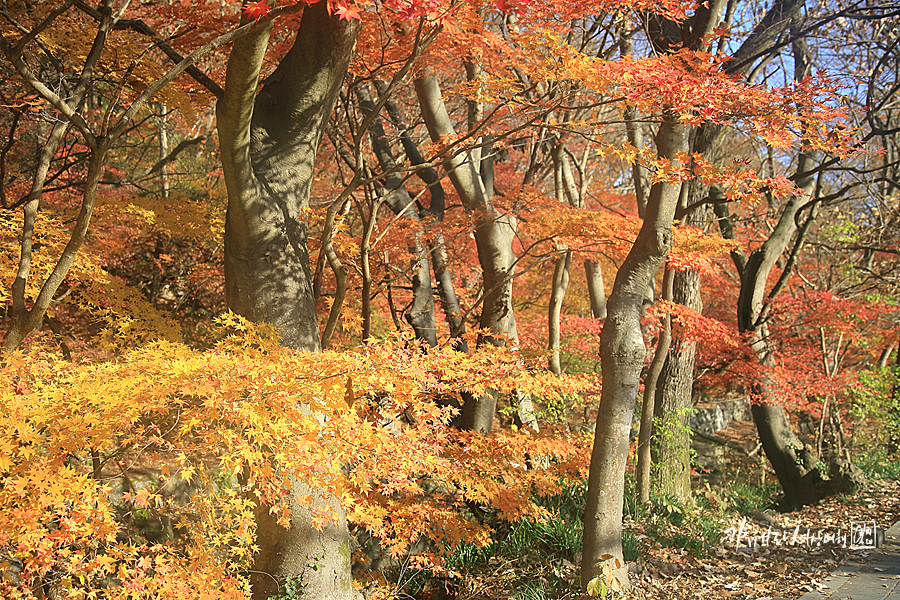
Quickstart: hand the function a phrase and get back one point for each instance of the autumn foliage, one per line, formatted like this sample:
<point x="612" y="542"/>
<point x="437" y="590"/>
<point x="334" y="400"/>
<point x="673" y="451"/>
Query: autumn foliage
<point x="247" y="420"/>
<point x="142" y="424"/>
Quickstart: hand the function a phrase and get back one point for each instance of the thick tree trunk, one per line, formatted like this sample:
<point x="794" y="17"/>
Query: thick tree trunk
<point x="269" y="144"/>
<point x="673" y="402"/>
<point x="622" y="353"/>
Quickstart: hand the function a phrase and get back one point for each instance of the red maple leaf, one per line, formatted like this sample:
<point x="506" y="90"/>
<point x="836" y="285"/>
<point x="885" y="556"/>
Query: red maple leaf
<point x="346" y="11"/>
<point x="507" y="7"/>
<point x="255" y="10"/>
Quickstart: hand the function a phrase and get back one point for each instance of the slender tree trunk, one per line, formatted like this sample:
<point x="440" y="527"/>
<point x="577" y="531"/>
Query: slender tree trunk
<point x="885" y="355"/>
<point x="648" y="408"/>
<point x="622" y="353"/>
<point x="421" y="314"/>
<point x="794" y="466"/>
<point x="269" y="143"/>
<point x="526" y="418"/>
<point x="434" y="213"/>
<point x="635" y="138"/>
<point x="622" y="349"/>
<point x="494" y="234"/>
<point x="596" y="291"/>
<point x="557" y="294"/>
<point x="674" y="397"/>
<point x="163" y="151"/>
<point x="446" y="292"/>
<point x="671" y="445"/>
<point x="24" y="320"/>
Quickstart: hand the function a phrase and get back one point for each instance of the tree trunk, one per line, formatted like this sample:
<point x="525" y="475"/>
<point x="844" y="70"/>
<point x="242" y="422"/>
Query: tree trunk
<point x="494" y="234"/>
<point x="596" y="291"/>
<point x="421" y="314"/>
<point x="674" y="393"/>
<point x="648" y="408"/>
<point x="269" y="143"/>
<point x="674" y="400"/>
<point x="635" y="137"/>
<point x="794" y="465"/>
<point x="557" y="295"/>
<point x="526" y="418"/>
<point x="434" y="213"/>
<point x="622" y="349"/>
<point x="674" y="396"/>
<point x="622" y="353"/>
<point x="24" y="320"/>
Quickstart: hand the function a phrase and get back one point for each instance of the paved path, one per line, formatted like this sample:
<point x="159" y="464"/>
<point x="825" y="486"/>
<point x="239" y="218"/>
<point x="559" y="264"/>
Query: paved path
<point x="875" y="580"/>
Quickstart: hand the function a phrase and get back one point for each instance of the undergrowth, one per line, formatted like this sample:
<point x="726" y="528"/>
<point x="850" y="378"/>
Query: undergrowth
<point x="878" y="463"/>
<point x="532" y="560"/>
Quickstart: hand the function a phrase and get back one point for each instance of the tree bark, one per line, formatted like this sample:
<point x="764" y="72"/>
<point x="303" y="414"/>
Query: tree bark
<point x="648" y="407"/>
<point x="421" y="314"/>
<point x="24" y="320"/>
<point x="557" y="294"/>
<point x="674" y="400"/>
<point x="494" y="234"/>
<point x="622" y="349"/>
<point x="794" y="466"/>
<point x="635" y="136"/>
<point x="596" y="291"/>
<point x="622" y="354"/>
<point x="268" y="144"/>
<point x="433" y="214"/>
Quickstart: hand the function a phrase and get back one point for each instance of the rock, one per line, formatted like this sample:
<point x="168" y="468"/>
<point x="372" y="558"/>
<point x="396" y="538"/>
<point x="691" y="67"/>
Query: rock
<point x="708" y="418"/>
<point x="846" y="478"/>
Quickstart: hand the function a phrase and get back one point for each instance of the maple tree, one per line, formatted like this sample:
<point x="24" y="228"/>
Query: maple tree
<point x="794" y="464"/>
<point x="511" y="120"/>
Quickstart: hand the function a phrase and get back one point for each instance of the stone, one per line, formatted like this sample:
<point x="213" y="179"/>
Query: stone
<point x="846" y="478"/>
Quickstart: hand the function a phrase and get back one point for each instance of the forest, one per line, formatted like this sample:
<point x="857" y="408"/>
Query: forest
<point x="378" y="299"/>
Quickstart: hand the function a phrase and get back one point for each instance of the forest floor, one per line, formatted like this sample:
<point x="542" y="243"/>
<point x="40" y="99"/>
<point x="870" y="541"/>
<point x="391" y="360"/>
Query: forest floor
<point x="785" y="567"/>
<point x="686" y="554"/>
<point x="773" y="570"/>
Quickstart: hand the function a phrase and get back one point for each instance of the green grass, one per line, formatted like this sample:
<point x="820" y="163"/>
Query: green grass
<point x="532" y="590"/>
<point x="878" y="463"/>
<point x="557" y="538"/>
<point x="743" y="497"/>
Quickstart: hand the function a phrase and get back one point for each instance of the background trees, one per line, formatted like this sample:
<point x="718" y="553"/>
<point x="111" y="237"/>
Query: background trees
<point x="384" y="163"/>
